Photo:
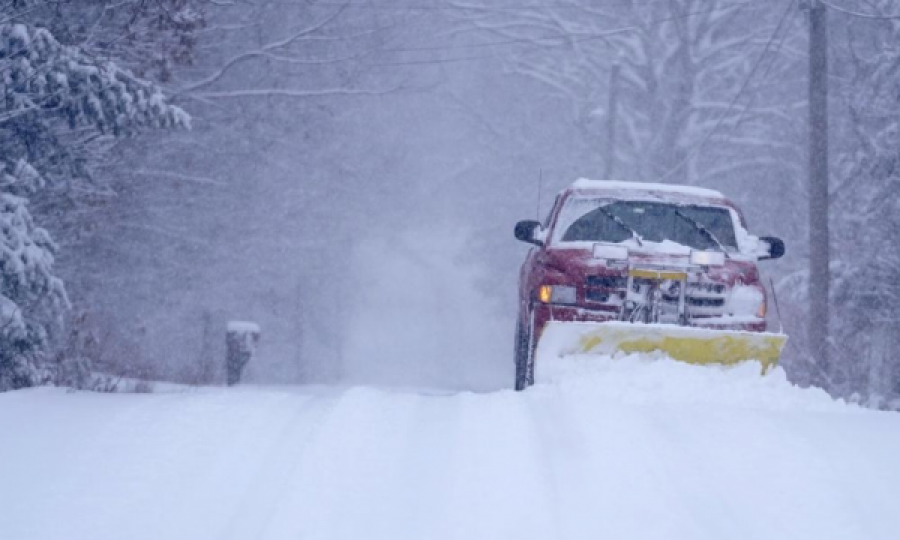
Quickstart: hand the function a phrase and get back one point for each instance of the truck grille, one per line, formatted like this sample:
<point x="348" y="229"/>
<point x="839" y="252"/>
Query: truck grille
<point x="606" y="282"/>
<point x="609" y="291"/>
<point x="709" y="288"/>
<point x="705" y="302"/>
<point x="597" y="296"/>
<point x="703" y="299"/>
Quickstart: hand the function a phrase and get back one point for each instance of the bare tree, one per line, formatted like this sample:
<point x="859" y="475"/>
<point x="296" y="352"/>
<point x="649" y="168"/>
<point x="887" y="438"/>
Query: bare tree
<point x="865" y="205"/>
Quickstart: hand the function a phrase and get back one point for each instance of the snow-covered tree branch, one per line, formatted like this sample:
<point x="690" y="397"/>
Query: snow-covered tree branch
<point x="52" y="92"/>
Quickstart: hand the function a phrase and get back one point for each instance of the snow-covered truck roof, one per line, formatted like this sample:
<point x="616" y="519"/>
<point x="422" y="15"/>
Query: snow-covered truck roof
<point x="646" y="187"/>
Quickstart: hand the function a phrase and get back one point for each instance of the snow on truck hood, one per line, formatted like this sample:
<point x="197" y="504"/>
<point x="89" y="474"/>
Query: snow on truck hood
<point x="666" y="248"/>
<point x="665" y="251"/>
<point x="577" y="258"/>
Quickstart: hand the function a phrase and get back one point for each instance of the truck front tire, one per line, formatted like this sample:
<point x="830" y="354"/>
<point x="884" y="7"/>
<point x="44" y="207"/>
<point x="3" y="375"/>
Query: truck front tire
<point x="524" y="358"/>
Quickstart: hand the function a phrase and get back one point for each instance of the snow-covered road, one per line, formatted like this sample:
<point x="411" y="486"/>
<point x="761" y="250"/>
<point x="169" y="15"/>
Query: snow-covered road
<point x="611" y="449"/>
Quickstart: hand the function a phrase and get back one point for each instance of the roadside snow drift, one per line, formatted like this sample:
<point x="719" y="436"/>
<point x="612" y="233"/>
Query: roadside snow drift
<point x="618" y="449"/>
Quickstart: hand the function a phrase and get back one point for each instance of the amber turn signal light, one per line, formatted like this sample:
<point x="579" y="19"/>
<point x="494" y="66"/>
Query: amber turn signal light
<point x="545" y="293"/>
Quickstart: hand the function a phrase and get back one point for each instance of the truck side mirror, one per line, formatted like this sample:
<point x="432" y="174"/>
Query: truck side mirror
<point x="525" y="231"/>
<point x="775" y="247"/>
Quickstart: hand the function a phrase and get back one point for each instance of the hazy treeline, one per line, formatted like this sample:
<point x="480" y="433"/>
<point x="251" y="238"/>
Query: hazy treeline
<point x="353" y="170"/>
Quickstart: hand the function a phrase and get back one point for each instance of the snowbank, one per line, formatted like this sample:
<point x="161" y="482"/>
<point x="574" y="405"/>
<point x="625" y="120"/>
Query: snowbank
<point x="646" y="380"/>
<point x="625" y="448"/>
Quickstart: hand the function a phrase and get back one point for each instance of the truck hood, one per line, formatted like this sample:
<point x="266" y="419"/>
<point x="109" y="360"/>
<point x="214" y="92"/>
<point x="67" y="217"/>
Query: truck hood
<point x="578" y="263"/>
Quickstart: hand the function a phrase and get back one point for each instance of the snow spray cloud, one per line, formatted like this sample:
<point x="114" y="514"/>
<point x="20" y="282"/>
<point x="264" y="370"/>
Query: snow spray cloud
<point x="420" y="320"/>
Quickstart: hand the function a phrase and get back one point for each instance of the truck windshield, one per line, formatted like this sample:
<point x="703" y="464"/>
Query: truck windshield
<point x="584" y="219"/>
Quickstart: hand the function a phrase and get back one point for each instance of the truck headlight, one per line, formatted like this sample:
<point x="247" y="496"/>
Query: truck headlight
<point x="556" y="294"/>
<point x="707" y="258"/>
<point x="746" y="300"/>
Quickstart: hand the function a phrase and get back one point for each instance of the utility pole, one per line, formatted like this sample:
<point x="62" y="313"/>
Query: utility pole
<point x="819" y="252"/>
<point x="611" y="114"/>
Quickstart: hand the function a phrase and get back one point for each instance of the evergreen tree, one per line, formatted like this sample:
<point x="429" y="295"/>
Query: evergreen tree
<point x="58" y="100"/>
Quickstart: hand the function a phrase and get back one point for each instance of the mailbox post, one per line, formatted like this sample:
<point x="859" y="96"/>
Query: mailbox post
<point x="241" y="340"/>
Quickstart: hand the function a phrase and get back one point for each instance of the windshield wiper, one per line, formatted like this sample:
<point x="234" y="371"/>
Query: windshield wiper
<point x="621" y="223"/>
<point x="706" y="232"/>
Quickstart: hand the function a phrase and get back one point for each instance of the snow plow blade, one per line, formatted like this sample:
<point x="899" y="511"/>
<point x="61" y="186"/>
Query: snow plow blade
<point x="687" y="344"/>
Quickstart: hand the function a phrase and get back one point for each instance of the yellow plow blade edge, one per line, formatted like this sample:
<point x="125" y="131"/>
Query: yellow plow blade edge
<point x="686" y="344"/>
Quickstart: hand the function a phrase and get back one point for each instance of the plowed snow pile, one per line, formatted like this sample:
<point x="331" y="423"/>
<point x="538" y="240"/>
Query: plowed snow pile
<point x="644" y="380"/>
<point x="619" y="449"/>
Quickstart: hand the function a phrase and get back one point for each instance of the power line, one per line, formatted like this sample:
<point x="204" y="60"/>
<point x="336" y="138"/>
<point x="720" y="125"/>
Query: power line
<point x="462" y="7"/>
<point x="765" y="77"/>
<point x="857" y="13"/>
<point x="735" y="99"/>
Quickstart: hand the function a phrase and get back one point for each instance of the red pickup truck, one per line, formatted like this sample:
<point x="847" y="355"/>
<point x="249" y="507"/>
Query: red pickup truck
<point x="639" y="253"/>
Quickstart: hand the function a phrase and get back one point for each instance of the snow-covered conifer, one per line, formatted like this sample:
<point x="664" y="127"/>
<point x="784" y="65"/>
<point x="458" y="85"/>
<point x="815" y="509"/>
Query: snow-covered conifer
<point x="32" y="298"/>
<point x="57" y="99"/>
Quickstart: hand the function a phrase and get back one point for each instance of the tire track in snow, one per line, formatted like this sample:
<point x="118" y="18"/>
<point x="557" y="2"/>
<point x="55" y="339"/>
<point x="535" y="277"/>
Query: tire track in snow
<point x="277" y="468"/>
<point x="216" y="444"/>
<point x="624" y="490"/>
<point x="560" y="449"/>
<point x="497" y="490"/>
<point x="584" y="450"/>
<point x="148" y="462"/>
<point x="430" y="456"/>
<point x="346" y="483"/>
